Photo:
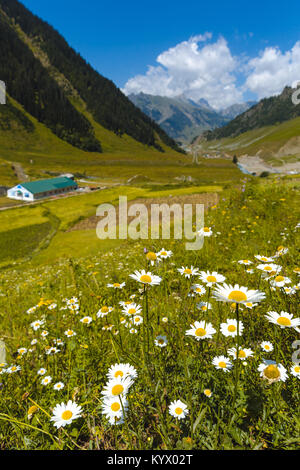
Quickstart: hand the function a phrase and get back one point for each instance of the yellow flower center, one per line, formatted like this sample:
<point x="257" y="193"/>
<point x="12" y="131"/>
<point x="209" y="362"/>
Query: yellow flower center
<point x="85" y="320"/>
<point x="284" y="321"/>
<point x="164" y="253"/>
<point x="242" y="353"/>
<point x="178" y="411"/>
<point x="200" y="332"/>
<point x="137" y="319"/>
<point x="203" y="308"/>
<point x="249" y="304"/>
<point x="297" y="369"/>
<point x="211" y="279"/>
<point x="161" y="341"/>
<point x="67" y="415"/>
<point x="119" y="373"/>
<point x="237" y="296"/>
<point x="151" y="256"/>
<point x="115" y="406"/>
<point x="267" y="347"/>
<point x="231" y="328"/>
<point x="116" y="284"/>
<point x="13" y="368"/>
<point x="245" y="261"/>
<point x="222" y="364"/>
<point x="117" y="389"/>
<point x="279" y="278"/>
<point x="268" y="268"/>
<point x="104" y="309"/>
<point x="70" y="332"/>
<point x="131" y="311"/>
<point x="146" y="279"/>
<point x="207" y="392"/>
<point x="272" y="372"/>
<point x="206" y="229"/>
<point x="187" y="271"/>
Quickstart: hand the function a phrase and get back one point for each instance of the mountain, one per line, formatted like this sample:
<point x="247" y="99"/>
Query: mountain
<point x="181" y="117"/>
<point x="50" y="82"/>
<point x="268" y="112"/>
<point x="234" y="110"/>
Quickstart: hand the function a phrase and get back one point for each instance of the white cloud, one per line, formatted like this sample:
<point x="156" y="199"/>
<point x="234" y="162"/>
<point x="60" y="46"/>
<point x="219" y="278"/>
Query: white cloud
<point x="200" y="68"/>
<point x="273" y="70"/>
<point x="198" y="72"/>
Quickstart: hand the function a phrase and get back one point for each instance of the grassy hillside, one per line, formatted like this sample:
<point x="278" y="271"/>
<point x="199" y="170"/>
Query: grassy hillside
<point x="272" y="142"/>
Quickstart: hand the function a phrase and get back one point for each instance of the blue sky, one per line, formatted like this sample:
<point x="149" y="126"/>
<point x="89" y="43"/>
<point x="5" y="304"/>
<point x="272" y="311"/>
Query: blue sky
<point x="122" y="39"/>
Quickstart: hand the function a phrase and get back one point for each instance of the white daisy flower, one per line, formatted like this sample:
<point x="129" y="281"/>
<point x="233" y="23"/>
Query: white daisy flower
<point x="42" y="371"/>
<point x="146" y="278"/>
<point x="161" y="341"/>
<point x="117" y="285"/>
<point x="86" y="320"/>
<point x="178" y="409"/>
<point x="132" y="309"/>
<point x="58" y="386"/>
<point x="188" y="272"/>
<point x="198" y="289"/>
<point x="201" y="330"/>
<point x="267" y="346"/>
<point x="207" y="392"/>
<point x="244" y="353"/>
<point x="122" y="371"/>
<point x="37" y="324"/>
<point x="105" y="310"/>
<point x="52" y="350"/>
<point x="280" y="281"/>
<point x="137" y="320"/>
<point x="164" y="254"/>
<point x="265" y="259"/>
<point x="117" y="386"/>
<point x="46" y="380"/>
<point x="295" y="370"/>
<point x="203" y="306"/>
<point x="237" y="294"/>
<point x="284" y="319"/>
<point x="211" y="279"/>
<point x="113" y="407"/>
<point x="69" y="333"/>
<point x="13" y="369"/>
<point x="222" y="362"/>
<point x="269" y="269"/>
<point x="245" y="262"/>
<point x="272" y="372"/>
<point x="65" y="414"/>
<point x="22" y="351"/>
<point x="230" y="328"/>
<point x="205" y="232"/>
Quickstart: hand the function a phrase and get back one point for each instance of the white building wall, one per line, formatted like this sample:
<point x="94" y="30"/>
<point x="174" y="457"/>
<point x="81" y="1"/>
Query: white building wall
<point x="19" y="193"/>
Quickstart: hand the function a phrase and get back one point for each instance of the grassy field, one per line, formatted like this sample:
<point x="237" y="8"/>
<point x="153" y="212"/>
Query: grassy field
<point x="246" y="404"/>
<point x="61" y="214"/>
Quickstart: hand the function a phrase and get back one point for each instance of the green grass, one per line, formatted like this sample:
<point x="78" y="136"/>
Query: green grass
<point x="21" y="242"/>
<point x="244" y="411"/>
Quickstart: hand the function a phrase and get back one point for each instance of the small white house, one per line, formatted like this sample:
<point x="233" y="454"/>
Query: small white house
<point x="41" y="189"/>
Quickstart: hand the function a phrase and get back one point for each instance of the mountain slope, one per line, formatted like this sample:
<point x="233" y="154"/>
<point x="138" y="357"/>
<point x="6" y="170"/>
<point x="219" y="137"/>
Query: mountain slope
<point x="267" y="112"/>
<point x="48" y="78"/>
<point x="182" y="118"/>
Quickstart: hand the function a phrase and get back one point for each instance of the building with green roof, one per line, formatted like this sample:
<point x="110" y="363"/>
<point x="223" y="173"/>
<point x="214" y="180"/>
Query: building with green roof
<point x="34" y="190"/>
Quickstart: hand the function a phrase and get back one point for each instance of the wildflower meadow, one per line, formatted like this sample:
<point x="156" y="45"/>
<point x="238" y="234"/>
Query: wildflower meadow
<point x="151" y="346"/>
